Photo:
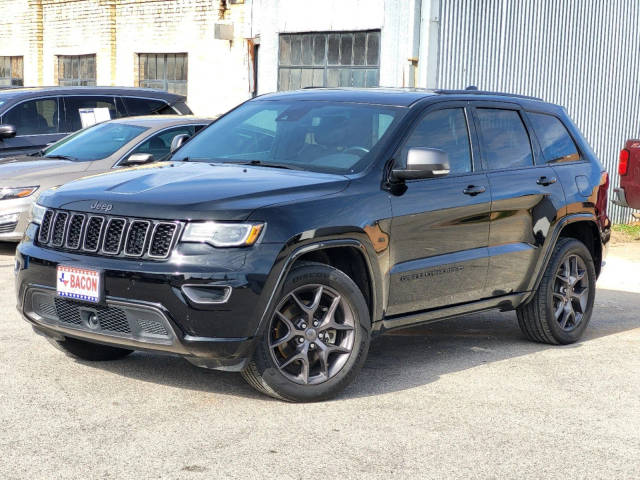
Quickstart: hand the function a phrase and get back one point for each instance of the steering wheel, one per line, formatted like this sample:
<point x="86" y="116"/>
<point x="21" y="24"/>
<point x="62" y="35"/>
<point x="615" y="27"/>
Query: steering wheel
<point x="358" y="150"/>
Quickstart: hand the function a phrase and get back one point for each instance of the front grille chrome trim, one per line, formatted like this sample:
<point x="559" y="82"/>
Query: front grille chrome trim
<point x="59" y="213"/>
<point x="84" y="238"/>
<point x="80" y="235"/>
<point x="144" y="241"/>
<point x="160" y="236"/>
<point x="106" y="233"/>
<point x="175" y="235"/>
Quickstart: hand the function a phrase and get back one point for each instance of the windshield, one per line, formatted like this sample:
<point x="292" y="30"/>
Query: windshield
<point x="94" y="143"/>
<point x="335" y="137"/>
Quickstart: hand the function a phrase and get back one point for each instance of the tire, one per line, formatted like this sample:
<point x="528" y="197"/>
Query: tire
<point x="547" y="317"/>
<point x="334" y="351"/>
<point x="92" y="352"/>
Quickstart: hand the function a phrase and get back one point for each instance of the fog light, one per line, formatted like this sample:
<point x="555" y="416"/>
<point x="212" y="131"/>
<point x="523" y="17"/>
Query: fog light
<point x="9" y="218"/>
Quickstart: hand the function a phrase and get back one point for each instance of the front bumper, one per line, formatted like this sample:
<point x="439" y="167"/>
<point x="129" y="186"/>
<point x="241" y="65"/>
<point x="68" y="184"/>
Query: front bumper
<point x="144" y="306"/>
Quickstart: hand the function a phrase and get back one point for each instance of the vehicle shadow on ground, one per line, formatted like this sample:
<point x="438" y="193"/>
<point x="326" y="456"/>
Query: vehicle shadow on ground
<point x="7" y="252"/>
<point x="403" y="359"/>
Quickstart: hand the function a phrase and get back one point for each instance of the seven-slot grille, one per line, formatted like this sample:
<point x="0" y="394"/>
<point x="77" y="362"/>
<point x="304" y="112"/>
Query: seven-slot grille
<point x="107" y="235"/>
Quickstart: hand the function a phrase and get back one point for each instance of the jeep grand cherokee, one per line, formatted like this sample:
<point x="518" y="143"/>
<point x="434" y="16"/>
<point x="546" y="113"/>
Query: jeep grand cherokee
<point x="289" y="232"/>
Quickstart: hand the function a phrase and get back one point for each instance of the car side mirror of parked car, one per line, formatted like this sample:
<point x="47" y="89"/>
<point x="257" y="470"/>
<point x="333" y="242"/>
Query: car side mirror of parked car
<point x="139" y="159"/>
<point x="423" y="163"/>
<point x="178" y="141"/>
<point x="7" y="131"/>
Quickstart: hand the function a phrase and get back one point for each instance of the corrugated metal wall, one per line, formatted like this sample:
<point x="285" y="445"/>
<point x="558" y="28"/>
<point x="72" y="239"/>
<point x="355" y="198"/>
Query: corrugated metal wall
<point x="582" y="54"/>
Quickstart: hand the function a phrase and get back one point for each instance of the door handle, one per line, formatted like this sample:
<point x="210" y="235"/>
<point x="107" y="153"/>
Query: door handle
<point x="545" y="181"/>
<point x="474" y="190"/>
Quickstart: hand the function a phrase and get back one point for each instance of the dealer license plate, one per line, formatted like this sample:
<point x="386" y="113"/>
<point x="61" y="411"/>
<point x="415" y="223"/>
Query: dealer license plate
<point x="79" y="284"/>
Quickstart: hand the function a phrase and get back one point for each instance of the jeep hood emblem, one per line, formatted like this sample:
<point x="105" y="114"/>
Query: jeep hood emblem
<point x="105" y="207"/>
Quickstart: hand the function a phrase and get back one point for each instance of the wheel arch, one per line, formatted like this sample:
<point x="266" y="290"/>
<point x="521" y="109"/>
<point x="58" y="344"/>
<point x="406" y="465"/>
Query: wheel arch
<point x="336" y="253"/>
<point x="583" y="227"/>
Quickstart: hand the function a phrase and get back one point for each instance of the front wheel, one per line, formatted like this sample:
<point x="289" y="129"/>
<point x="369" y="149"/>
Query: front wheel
<point x="317" y="337"/>
<point x="561" y="308"/>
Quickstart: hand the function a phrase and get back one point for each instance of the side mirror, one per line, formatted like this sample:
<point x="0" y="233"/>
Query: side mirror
<point x="423" y="163"/>
<point x="139" y="159"/>
<point x="7" y="131"/>
<point x="178" y="141"/>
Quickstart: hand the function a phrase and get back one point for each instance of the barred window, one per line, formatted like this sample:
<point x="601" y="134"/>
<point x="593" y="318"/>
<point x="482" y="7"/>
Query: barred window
<point x="11" y="71"/>
<point x="165" y="71"/>
<point x="335" y="59"/>
<point x="77" y="70"/>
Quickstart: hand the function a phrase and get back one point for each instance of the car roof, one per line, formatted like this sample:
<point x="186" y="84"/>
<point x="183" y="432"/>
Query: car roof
<point x="400" y="97"/>
<point x="16" y="94"/>
<point x="161" y="121"/>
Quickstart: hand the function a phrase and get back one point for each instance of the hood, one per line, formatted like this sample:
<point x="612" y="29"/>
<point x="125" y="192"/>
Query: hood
<point x="191" y="190"/>
<point x="27" y="171"/>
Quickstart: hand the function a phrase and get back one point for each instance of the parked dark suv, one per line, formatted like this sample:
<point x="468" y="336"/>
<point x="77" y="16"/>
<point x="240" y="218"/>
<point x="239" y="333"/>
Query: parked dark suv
<point x="284" y="236"/>
<point x="31" y="118"/>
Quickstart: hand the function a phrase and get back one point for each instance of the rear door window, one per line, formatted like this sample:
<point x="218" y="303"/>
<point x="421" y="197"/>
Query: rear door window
<point x="34" y="117"/>
<point x="74" y="104"/>
<point x="504" y="140"/>
<point x="146" y="106"/>
<point x="555" y="141"/>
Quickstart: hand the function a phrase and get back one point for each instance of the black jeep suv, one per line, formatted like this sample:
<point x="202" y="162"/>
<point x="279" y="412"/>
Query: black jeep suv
<point x="284" y="236"/>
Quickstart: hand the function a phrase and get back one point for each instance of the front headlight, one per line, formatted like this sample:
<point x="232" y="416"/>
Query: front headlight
<point x="18" y="192"/>
<point x="37" y="213"/>
<point x="223" y="234"/>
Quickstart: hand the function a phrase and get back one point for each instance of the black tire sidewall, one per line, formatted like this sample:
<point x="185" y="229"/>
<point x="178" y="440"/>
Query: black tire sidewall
<point x="572" y="247"/>
<point x="323" y="275"/>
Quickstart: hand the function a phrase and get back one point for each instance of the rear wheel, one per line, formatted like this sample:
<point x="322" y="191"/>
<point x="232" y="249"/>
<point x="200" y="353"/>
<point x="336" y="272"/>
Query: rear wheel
<point x="92" y="352"/>
<point x="317" y="337"/>
<point x="561" y="308"/>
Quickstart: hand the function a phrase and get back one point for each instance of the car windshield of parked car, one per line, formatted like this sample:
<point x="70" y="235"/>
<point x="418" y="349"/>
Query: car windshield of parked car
<point x="94" y="143"/>
<point x="332" y="137"/>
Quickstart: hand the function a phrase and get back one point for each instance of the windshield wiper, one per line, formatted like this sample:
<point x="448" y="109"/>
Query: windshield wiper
<point x="260" y="163"/>
<point x="61" y="157"/>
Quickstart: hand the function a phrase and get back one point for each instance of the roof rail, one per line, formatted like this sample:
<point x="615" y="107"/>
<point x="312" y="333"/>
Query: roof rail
<point x="472" y="90"/>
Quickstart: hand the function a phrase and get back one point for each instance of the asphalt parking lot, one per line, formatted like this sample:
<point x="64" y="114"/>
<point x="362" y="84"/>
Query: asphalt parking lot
<point x="465" y="398"/>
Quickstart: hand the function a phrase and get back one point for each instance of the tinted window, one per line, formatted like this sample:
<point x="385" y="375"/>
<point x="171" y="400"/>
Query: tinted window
<point x="145" y="106"/>
<point x="95" y="143"/>
<point x="159" y="144"/>
<point x="504" y="139"/>
<point x="34" y="117"/>
<point x="74" y="104"/>
<point x="444" y="130"/>
<point x="320" y="136"/>
<point x="557" y="145"/>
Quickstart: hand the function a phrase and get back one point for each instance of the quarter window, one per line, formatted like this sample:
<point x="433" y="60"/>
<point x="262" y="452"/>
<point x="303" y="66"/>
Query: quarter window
<point x="77" y="70"/>
<point x="555" y="141"/>
<point x="11" y="71"/>
<point x="145" y="106"/>
<point x="504" y="139"/>
<point x="34" y="117"/>
<point x="165" y="71"/>
<point x="444" y="130"/>
<point x="336" y="59"/>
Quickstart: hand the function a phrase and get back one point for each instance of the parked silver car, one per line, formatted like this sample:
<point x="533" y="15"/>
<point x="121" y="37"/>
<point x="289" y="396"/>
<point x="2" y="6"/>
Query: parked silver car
<point x="97" y="149"/>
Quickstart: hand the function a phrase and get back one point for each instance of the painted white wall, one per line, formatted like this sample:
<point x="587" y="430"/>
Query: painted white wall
<point x="395" y="19"/>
